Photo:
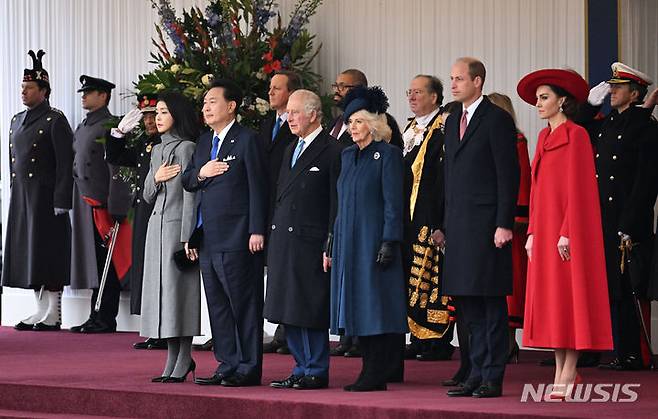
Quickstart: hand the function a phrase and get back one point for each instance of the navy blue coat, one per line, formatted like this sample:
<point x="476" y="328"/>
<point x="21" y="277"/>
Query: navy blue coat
<point x="481" y="186"/>
<point x="234" y="204"/>
<point x="366" y="299"/>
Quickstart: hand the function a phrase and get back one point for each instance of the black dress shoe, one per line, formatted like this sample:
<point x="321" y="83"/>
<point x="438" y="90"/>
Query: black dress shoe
<point x="23" y="326"/>
<point x="271" y="347"/>
<point x="353" y="352"/>
<point x="311" y="382"/>
<point x="629" y="363"/>
<point x="488" y="390"/>
<point x="339" y="350"/>
<point x="463" y="391"/>
<point x="204" y="346"/>
<point x="159" y="379"/>
<point x="286" y="382"/>
<point x="78" y="329"/>
<point x="359" y="387"/>
<point x="451" y="383"/>
<point x="157" y="343"/>
<point x="240" y="380"/>
<point x="43" y="327"/>
<point x="142" y="345"/>
<point x="214" y="380"/>
<point x="436" y="354"/>
<point x="283" y="350"/>
<point x="99" y="327"/>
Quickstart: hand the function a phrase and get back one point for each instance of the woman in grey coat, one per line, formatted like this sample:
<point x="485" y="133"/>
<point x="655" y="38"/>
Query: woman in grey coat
<point x="171" y="306"/>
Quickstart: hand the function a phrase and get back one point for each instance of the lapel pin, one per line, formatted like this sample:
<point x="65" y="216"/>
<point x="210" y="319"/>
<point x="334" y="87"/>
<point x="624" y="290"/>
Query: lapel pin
<point x="377" y="155"/>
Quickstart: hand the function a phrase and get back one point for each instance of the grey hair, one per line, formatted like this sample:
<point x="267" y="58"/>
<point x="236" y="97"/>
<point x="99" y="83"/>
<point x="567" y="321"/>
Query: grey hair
<point x="311" y="102"/>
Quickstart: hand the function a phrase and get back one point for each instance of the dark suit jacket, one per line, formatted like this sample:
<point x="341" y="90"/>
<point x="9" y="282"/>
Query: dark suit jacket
<point x="345" y="139"/>
<point x="273" y="154"/>
<point x="233" y="205"/>
<point x="481" y="187"/>
<point x="303" y="217"/>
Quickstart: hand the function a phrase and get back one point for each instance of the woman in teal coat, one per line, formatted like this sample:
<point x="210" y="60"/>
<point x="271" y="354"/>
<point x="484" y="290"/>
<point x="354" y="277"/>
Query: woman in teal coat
<point x="367" y="281"/>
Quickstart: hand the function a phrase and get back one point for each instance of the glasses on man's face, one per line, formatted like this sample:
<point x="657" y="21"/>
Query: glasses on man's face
<point x="414" y="92"/>
<point x="341" y="86"/>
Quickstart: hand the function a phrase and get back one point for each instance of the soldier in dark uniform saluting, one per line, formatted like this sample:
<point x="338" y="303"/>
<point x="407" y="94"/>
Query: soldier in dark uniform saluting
<point x="119" y="152"/>
<point x="626" y="156"/>
<point x="101" y="198"/>
<point x="38" y="242"/>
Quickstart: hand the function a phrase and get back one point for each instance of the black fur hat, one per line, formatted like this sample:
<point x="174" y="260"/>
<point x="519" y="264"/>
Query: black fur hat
<point x="373" y="99"/>
<point x="37" y="73"/>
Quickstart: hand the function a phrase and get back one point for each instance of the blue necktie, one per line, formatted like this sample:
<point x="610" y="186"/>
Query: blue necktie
<point x="213" y="155"/>
<point x="215" y="147"/>
<point x="298" y="151"/>
<point x="277" y="126"/>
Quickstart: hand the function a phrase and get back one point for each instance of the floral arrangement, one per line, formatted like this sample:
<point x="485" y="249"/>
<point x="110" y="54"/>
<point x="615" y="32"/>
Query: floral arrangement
<point x="244" y="40"/>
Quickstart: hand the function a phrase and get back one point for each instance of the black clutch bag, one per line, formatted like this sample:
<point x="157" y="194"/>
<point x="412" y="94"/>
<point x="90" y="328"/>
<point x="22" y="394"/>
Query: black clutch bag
<point x="182" y="262"/>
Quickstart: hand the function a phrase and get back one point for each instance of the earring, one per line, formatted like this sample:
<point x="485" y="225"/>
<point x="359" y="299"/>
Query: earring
<point x="560" y="110"/>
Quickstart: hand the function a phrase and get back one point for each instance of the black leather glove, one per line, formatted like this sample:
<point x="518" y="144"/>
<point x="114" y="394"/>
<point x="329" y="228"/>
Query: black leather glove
<point x="329" y="245"/>
<point x="385" y="254"/>
<point x="118" y="218"/>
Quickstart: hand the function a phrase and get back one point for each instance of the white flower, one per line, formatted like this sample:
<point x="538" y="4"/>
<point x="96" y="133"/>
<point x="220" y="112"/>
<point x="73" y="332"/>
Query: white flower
<point x="260" y="75"/>
<point x="207" y="79"/>
<point x="159" y="86"/>
<point x="238" y="118"/>
<point x="262" y="106"/>
<point x="175" y="68"/>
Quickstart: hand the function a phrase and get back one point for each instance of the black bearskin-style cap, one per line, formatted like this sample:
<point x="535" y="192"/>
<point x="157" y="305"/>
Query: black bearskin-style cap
<point x="37" y="72"/>
<point x="372" y="99"/>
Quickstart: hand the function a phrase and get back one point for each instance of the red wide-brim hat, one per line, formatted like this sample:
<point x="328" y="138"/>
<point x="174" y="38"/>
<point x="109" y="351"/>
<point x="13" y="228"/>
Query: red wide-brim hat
<point x="569" y="80"/>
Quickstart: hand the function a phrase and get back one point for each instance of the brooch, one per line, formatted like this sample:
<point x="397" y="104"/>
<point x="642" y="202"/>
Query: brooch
<point x="377" y="155"/>
<point x="149" y="147"/>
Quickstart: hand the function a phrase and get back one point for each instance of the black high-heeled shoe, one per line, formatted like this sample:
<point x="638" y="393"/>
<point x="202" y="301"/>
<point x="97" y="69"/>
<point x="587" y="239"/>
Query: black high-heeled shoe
<point x="159" y="378"/>
<point x="191" y="369"/>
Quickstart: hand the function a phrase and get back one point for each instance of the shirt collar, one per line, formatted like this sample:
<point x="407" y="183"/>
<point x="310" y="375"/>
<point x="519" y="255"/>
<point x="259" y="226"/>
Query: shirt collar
<point x="222" y="134"/>
<point x="425" y="119"/>
<point x="309" y="138"/>
<point x="283" y="117"/>
<point x="473" y="107"/>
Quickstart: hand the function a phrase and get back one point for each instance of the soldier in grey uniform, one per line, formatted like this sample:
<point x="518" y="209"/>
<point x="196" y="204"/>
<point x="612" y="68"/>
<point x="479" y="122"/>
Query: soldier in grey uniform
<point x="101" y="197"/>
<point x="626" y="156"/>
<point x="37" y="247"/>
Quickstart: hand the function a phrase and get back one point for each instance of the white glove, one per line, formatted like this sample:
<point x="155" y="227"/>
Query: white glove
<point x="598" y="93"/>
<point x="128" y="123"/>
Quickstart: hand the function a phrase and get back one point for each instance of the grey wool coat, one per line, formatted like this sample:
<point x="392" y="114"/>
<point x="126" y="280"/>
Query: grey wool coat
<point x="171" y="298"/>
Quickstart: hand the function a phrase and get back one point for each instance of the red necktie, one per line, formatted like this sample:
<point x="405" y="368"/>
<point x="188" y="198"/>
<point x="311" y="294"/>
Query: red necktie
<point x="463" y="123"/>
<point x="337" y="127"/>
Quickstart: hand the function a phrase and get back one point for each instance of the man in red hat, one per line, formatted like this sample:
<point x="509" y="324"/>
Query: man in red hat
<point x="37" y="246"/>
<point x="626" y="156"/>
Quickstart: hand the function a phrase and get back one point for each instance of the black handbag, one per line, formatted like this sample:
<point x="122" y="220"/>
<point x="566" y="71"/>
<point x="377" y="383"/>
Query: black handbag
<point x="182" y="262"/>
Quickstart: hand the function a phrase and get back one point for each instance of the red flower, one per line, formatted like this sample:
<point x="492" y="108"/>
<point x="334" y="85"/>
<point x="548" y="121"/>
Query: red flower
<point x="236" y="42"/>
<point x="268" y="57"/>
<point x="276" y="65"/>
<point x="152" y="102"/>
<point x="267" y="68"/>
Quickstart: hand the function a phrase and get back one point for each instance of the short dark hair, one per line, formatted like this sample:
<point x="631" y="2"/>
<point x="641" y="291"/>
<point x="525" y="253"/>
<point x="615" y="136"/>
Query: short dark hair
<point x="475" y="68"/>
<point x="108" y="98"/>
<point x="434" y="85"/>
<point x="232" y="92"/>
<point x="640" y="89"/>
<point x="358" y="76"/>
<point x="570" y="105"/>
<point x="294" y="82"/>
<point x="186" y="120"/>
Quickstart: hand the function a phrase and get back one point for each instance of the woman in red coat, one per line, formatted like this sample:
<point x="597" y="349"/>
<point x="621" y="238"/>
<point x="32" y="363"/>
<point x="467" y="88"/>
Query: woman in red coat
<point x="566" y="304"/>
<point x="516" y="301"/>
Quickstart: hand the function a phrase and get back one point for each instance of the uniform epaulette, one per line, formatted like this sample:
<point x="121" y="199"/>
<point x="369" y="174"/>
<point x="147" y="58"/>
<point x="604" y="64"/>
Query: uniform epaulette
<point x="56" y="110"/>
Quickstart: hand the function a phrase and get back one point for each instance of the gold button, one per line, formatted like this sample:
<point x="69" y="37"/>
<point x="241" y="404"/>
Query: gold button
<point x="40" y="131"/>
<point x="139" y="165"/>
<point x="139" y="189"/>
<point x="13" y="175"/>
<point x="614" y="157"/>
<point x="612" y="178"/>
<point x="10" y="145"/>
<point x="29" y="175"/>
<point x="610" y="199"/>
<point x="612" y="118"/>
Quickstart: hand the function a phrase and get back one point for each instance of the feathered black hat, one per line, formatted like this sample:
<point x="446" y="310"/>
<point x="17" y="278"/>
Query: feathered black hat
<point x="373" y="99"/>
<point x="37" y="72"/>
